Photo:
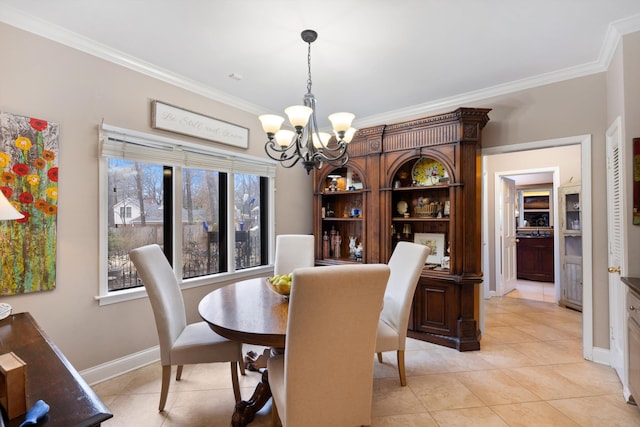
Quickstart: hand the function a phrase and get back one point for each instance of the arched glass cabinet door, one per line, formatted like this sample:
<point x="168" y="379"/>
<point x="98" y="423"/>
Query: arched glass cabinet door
<point x="421" y="207"/>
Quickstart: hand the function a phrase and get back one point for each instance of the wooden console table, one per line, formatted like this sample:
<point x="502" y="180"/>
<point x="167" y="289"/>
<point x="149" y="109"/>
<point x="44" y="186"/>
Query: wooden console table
<point x="50" y="376"/>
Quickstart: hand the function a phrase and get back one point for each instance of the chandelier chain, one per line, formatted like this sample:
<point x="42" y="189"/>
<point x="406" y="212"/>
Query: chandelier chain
<point x="309" y="69"/>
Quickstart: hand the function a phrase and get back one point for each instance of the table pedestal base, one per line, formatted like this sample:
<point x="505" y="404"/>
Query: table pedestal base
<point x="246" y="409"/>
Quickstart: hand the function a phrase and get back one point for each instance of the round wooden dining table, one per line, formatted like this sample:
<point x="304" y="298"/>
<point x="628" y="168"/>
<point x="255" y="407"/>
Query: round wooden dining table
<point x="248" y="312"/>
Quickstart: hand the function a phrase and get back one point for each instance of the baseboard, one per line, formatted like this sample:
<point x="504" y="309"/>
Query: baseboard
<point x="117" y="367"/>
<point x="601" y="355"/>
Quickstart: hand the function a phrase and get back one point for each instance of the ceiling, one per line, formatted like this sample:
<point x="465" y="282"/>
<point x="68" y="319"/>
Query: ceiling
<point x="527" y="179"/>
<point x="379" y="59"/>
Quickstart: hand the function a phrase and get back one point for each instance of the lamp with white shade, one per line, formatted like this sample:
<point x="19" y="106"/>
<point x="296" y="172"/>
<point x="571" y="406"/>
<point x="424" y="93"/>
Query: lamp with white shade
<point x="7" y="211"/>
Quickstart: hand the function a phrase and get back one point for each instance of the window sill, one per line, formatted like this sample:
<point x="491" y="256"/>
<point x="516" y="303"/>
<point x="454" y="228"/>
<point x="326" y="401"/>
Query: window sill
<point x="223" y="279"/>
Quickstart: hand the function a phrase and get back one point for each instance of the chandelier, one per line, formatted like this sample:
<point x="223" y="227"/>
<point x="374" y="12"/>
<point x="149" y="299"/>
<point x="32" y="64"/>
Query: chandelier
<point x="306" y="144"/>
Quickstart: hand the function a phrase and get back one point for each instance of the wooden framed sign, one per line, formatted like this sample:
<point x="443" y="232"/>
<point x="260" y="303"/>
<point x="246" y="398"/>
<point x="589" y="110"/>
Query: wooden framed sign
<point x="174" y="119"/>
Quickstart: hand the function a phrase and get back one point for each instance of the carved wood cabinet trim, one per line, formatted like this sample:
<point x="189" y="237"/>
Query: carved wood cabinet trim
<point x="446" y="303"/>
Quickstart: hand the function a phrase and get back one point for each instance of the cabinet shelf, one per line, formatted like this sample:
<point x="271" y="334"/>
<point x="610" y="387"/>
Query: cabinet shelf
<point x="336" y="261"/>
<point x="435" y="272"/>
<point x="342" y="193"/>
<point x="424" y="188"/>
<point x="335" y="218"/>
<point x="418" y="219"/>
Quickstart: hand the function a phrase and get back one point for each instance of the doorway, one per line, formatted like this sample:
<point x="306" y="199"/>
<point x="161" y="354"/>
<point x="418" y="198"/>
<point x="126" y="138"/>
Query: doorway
<point x="515" y="232"/>
<point x="527" y="152"/>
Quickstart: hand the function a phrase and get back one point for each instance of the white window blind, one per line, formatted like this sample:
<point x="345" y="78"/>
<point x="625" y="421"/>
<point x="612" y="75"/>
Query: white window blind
<point x="128" y="144"/>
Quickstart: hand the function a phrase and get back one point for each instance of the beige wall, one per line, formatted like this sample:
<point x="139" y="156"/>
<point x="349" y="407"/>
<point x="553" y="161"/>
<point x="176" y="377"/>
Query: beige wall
<point x="631" y="125"/>
<point x="43" y="79"/>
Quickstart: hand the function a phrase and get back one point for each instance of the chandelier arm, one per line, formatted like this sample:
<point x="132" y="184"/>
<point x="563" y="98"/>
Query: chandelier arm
<point x="284" y="154"/>
<point x="334" y="155"/>
<point x="271" y="145"/>
<point x="335" y="164"/>
<point x="290" y="165"/>
<point x="285" y="161"/>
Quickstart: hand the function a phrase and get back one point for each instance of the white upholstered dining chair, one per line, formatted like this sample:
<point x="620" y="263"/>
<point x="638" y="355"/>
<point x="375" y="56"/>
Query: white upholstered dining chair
<point x="293" y="251"/>
<point x="406" y="263"/>
<point x="325" y="377"/>
<point x="180" y="343"/>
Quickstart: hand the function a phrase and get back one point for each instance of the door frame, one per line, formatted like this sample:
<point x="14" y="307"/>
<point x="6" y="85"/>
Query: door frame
<point x="555" y="171"/>
<point x="587" y="236"/>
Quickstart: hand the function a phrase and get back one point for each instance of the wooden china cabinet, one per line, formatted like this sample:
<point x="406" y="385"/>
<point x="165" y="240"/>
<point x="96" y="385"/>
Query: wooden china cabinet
<point x="418" y="181"/>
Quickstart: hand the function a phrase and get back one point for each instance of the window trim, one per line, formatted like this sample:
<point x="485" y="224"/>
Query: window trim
<point x="116" y="142"/>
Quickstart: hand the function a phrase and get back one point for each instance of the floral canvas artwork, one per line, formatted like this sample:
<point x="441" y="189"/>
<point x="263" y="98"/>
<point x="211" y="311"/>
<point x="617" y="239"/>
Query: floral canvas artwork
<point x="29" y="180"/>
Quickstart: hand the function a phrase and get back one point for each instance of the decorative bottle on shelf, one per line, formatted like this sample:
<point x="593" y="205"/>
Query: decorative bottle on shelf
<point x="329" y="212"/>
<point x="332" y="242"/>
<point x="325" y="245"/>
<point x="336" y="251"/>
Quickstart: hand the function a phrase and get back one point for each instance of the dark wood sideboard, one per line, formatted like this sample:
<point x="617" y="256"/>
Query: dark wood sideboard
<point x="50" y="376"/>
<point x="535" y="258"/>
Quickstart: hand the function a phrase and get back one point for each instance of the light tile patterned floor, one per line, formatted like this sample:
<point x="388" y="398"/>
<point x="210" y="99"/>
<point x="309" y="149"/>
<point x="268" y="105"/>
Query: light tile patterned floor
<point x="537" y="291"/>
<point x="529" y="372"/>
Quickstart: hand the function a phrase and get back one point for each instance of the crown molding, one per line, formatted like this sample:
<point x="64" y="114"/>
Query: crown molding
<point x="478" y="95"/>
<point x="18" y="19"/>
<point x="615" y="31"/>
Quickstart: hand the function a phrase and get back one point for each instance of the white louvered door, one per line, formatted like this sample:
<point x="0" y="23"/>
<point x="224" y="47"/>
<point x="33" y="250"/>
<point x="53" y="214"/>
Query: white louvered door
<point x="616" y="230"/>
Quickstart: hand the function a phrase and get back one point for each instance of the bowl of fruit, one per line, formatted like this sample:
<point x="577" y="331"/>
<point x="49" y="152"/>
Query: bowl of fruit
<point x="280" y="284"/>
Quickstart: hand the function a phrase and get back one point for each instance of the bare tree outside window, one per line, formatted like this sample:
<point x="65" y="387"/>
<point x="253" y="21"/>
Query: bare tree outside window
<point x="200" y="222"/>
<point x="247" y="220"/>
<point x="135" y="217"/>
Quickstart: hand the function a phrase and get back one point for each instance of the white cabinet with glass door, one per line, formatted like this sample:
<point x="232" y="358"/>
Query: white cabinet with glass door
<point x="570" y="246"/>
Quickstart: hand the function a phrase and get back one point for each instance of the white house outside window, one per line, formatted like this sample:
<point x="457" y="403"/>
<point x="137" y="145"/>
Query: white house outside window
<point x="209" y="210"/>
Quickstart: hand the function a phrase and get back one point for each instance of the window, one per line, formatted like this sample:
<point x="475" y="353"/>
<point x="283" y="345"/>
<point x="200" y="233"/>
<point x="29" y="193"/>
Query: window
<point x="206" y="208"/>
<point x="125" y="213"/>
